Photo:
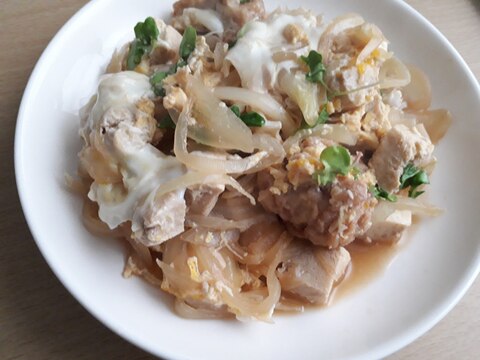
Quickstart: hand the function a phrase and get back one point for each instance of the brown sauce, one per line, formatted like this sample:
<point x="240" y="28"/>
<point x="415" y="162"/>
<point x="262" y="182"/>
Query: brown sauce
<point x="368" y="262"/>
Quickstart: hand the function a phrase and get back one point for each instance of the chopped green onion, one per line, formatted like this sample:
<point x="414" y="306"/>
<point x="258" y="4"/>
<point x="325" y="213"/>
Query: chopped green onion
<point x="157" y="82"/>
<point x="244" y="2"/>
<point x="253" y="119"/>
<point x="135" y="55"/>
<point x="146" y="34"/>
<point x="235" y="109"/>
<point x="188" y="42"/>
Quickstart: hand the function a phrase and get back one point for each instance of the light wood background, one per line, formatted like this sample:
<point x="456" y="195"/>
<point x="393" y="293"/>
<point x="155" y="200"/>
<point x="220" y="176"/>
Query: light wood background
<point x="39" y="319"/>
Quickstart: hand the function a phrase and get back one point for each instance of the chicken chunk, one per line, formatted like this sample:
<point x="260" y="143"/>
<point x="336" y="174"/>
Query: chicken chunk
<point x="330" y="216"/>
<point x="162" y="219"/>
<point x="310" y="273"/>
<point x="201" y="199"/>
<point x="233" y="15"/>
<point x="400" y="146"/>
<point x="236" y="15"/>
<point x="388" y="223"/>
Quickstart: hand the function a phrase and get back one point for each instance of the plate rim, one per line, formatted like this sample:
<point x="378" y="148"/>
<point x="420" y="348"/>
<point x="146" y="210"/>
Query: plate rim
<point x="387" y="348"/>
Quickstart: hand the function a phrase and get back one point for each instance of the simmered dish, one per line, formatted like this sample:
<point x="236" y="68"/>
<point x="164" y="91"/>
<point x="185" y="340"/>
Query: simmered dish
<point x="240" y="153"/>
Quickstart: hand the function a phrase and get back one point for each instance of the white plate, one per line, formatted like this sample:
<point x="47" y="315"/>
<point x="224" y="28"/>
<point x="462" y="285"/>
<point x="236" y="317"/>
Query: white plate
<point x="424" y="282"/>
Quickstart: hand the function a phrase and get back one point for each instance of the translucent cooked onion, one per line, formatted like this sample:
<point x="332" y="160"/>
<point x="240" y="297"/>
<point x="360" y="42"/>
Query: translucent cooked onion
<point x="205" y="17"/>
<point x="216" y="125"/>
<point x="189" y="312"/>
<point x="335" y="132"/>
<point x="222" y="224"/>
<point x="436" y="122"/>
<point x="94" y="224"/>
<point x="141" y="250"/>
<point x="338" y="25"/>
<point x="97" y="161"/>
<point x="417" y="207"/>
<point x="134" y="266"/>
<point x="116" y="63"/>
<point x="263" y="310"/>
<point x="273" y="148"/>
<point x="372" y="44"/>
<point x="398" y="117"/>
<point x="194" y="178"/>
<point x="393" y="74"/>
<point x="418" y="93"/>
<point x="209" y="162"/>
<point x="263" y="103"/>
<point x="304" y="93"/>
<point x="260" y="242"/>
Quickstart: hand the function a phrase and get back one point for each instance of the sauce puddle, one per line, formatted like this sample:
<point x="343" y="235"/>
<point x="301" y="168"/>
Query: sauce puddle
<point x="368" y="262"/>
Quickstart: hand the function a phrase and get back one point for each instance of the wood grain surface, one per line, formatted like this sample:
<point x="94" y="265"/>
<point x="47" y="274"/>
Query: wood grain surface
<point x="39" y="319"/>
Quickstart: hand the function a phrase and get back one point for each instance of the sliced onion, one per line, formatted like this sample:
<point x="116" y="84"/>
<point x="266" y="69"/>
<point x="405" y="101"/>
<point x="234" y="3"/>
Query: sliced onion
<point x="397" y="117"/>
<point x="94" y="224"/>
<point x="335" y="132"/>
<point x="194" y="178"/>
<point x="263" y="103"/>
<point x="302" y="92"/>
<point x="222" y="224"/>
<point x="372" y="44"/>
<point x="208" y="162"/>
<point x="436" y="122"/>
<point x="418" y="93"/>
<point x="216" y="125"/>
<point x="272" y="147"/>
<point x="205" y="17"/>
<point x="393" y="74"/>
<point x="338" y="25"/>
<point x="262" y="310"/>
<point x="189" y="312"/>
<point x="417" y="207"/>
<point x="134" y="266"/>
<point x="116" y="63"/>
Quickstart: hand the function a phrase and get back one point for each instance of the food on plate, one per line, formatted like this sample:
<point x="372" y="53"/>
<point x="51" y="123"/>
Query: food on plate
<point x="240" y="153"/>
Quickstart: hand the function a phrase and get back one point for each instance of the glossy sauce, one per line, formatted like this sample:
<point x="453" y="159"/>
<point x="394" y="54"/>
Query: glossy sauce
<point x="368" y="262"/>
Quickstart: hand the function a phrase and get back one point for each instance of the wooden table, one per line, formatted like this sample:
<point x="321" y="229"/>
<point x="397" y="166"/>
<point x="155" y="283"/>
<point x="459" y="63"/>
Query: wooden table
<point x="39" y="319"/>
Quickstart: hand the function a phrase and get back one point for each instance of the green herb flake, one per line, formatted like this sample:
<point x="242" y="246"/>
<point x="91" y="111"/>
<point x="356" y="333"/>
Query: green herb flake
<point x="336" y="161"/>
<point x="157" y="82"/>
<point x="146" y="34"/>
<point x="135" y="55"/>
<point x="323" y="116"/>
<point x="166" y="123"/>
<point x="244" y="2"/>
<point x="316" y="66"/>
<point x="413" y="177"/>
<point x="379" y="193"/>
<point x="188" y="42"/>
<point x="235" y="109"/>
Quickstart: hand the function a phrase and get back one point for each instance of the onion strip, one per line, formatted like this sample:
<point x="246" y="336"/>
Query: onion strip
<point x="209" y="164"/>
<point x="263" y="103"/>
